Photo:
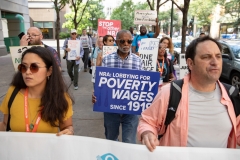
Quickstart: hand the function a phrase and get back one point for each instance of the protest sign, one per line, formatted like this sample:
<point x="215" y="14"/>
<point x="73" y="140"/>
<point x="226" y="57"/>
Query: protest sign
<point x="74" y="45"/>
<point x="42" y="146"/>
<point x="124" y="91"/>
<point x="145" y="17"/>
<point x="109" y="49"/>
<point x="148" y="52"/>
<point x="94" y="69"/>
<point x="110" y="27"/>
<point x="16" y="54"/>
<point x="183" y="66"/>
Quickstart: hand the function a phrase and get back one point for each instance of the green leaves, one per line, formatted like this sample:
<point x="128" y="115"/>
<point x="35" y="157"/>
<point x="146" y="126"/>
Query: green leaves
<point x="86" y="18"/>
<point x="125" y="12"/>
<point x="202" y="10"/>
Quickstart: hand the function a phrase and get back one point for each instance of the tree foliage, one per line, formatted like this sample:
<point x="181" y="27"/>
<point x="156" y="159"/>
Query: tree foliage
<point x="76" y="7"/>
<point x="125" y="13"/>
<point x="158" y="4"/>
<point x="93" y="12"/>
<point x="165" y="21"/>
<point x="231" y="7"/>
<point x="202" y="10"/>
<point x="58" y="6"/>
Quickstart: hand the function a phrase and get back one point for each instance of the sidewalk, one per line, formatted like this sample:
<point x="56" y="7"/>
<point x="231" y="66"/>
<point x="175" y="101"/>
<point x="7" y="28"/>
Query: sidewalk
<point x="85" y="121"/>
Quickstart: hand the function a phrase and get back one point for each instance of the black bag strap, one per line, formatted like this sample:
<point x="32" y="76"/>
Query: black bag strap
<point x="174" y="99"/>
<point x="233" y="94"/>
<point x="231" y="90"/>
<point x="14" y="93"/>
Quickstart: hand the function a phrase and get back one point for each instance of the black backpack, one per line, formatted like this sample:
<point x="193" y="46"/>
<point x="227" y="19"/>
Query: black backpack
<point x="176" y="95"/>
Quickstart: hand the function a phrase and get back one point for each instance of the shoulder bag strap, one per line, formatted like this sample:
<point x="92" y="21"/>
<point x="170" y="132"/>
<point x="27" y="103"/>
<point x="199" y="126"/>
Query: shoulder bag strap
<point x="14" y="93"/>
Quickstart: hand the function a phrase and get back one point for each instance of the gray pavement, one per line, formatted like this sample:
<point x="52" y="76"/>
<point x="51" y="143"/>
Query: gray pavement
<point x="85" y="121"/>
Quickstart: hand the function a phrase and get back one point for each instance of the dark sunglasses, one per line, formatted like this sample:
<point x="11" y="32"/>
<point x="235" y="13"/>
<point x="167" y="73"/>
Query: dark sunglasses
<point x="33" y="68"/>
<point x="162" y="47"/>
<point x="74" y="33"/>
<point x="110" y="40"/>
<point x="123" y="41"/>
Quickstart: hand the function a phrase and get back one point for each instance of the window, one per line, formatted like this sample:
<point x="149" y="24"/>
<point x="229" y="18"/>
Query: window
<point x="225" y="50"/>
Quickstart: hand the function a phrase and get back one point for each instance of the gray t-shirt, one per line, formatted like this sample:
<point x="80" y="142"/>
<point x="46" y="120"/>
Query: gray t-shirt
<point x="209" y="123"/>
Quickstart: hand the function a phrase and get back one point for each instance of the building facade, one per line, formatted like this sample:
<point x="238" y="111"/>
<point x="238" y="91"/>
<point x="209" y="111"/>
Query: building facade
<point x="14" y="18"/>
<point x="43" y="15"/>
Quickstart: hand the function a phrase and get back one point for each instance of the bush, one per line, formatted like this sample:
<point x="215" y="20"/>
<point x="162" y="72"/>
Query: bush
<point x="64" y="35"/>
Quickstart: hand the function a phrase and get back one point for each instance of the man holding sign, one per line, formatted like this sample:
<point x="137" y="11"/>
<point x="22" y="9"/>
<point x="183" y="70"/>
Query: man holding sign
<point x="73" y="64"/>
<point x="123" y="58"/>
<point x="143" y="34"/>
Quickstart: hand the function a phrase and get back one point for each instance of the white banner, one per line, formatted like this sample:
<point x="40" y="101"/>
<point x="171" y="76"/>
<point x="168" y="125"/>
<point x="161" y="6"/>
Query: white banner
<point x="39" y="146"/>
<point x="183" y="68"/>
<point x="145" y="17"/>
<point x="149" y="52"/>
<point x="74" y="45"/>
<point x="109" y="49"/>
<point x="16" y="54"/>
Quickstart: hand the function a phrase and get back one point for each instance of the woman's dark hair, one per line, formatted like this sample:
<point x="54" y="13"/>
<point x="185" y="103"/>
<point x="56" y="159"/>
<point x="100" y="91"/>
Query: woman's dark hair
<point x="54" y="102"/>
<point x="105" y="38"/>
<point x="191" y="49"/>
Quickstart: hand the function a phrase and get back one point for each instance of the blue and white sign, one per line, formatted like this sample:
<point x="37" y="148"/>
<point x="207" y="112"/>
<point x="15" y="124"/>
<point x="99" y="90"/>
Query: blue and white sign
<point x="124" y="91"/>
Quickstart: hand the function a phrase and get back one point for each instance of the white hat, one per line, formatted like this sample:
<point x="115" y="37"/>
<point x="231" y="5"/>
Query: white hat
<point x="73" y="31"/>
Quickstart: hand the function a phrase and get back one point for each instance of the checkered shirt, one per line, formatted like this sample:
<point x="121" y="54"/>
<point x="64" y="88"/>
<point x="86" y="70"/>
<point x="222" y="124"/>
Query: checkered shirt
<point x="113" y="60"/>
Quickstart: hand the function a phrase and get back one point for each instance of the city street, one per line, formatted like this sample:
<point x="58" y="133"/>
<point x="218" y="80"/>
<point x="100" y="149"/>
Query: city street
<point x="85" y="121"/>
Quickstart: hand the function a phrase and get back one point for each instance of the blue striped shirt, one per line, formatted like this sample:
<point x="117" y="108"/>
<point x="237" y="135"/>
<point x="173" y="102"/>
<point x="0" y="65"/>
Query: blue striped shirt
<point x="113" y="60"/>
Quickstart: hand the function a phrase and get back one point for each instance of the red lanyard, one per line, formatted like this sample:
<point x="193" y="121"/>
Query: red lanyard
<point x="26" y="114"/>
<point x="160" y="69"/>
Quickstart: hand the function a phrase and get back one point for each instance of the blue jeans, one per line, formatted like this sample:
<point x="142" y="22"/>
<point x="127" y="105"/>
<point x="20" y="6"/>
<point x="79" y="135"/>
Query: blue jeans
<point x="129" y="123"/>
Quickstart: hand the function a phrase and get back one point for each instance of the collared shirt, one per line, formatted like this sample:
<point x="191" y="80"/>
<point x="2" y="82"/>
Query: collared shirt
<point x="113" y="60"/>
<point x="176" y="134"/>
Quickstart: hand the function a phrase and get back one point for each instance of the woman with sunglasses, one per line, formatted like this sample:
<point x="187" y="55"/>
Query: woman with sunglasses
<point x="108" y="40"/>
<point x="42" y="103"/>
<point x="164" y="66"/>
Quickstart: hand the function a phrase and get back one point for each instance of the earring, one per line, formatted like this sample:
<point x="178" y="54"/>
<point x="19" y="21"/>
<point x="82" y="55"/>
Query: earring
<point x="48" y="77"/>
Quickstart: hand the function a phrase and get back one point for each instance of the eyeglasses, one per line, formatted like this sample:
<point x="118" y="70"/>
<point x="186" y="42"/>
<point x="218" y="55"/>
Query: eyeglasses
<point x="110" y="40"/>
<point x="33" y="36"/>
<point x="161" y="47"/>
<point x="74" y="33"/>
<point x="33" y="68"/>
<point x="123" y="41"/>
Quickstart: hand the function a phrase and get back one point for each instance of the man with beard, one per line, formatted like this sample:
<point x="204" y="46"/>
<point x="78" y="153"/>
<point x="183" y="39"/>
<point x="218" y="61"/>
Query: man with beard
<point x="143" y="34"/>
<point x="34" y="37"/>
<point x="123" y="58"/>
